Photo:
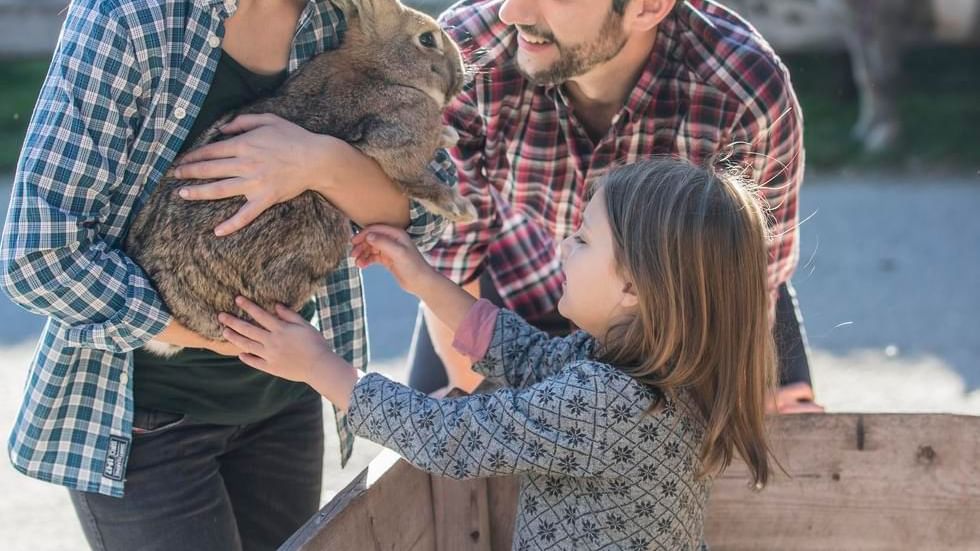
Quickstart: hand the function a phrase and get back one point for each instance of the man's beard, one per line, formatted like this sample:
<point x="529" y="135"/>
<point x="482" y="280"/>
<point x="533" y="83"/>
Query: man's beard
<point x="580" y="59"/>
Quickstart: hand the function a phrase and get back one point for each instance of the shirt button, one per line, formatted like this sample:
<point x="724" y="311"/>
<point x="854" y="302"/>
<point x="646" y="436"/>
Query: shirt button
<point x="214" y="41"/>
<point x="123" y="378"/>
<point x="179" y="113"/>
<point x="138" y="91"/>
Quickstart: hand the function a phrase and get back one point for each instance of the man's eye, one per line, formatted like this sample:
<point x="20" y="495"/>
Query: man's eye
<point x="427" y="39"/>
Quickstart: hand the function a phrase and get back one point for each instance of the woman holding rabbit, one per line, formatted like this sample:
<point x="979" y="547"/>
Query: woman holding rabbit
<point x="210" y="453"/>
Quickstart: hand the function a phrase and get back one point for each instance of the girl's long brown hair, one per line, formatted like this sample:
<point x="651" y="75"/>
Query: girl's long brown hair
<point x="694" y="245"/>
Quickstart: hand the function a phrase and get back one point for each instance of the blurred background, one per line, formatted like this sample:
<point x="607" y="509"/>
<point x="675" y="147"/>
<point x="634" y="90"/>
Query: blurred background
<point x="889" y="274"/>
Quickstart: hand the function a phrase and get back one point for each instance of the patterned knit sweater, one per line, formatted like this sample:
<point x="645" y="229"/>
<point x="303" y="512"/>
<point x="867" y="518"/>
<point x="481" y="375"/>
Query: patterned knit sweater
<point x="597" y="469"/>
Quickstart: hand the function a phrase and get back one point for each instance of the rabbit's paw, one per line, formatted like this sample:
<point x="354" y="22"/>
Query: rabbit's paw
<point x="448" y="138"/>
<point x="458" y="209"/>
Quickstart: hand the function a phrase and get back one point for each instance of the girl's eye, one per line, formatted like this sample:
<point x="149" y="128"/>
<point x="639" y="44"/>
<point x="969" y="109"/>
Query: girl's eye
<point x="579" y="239"/>
<point x="427" y="39"/>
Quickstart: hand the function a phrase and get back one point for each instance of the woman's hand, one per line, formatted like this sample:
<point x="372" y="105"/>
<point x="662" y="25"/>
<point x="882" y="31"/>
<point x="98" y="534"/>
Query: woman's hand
<point x="269" y="161"/>
<point x="287" y="346"/>
<point x="393" y="249"/>
<point x="272" y="160"/>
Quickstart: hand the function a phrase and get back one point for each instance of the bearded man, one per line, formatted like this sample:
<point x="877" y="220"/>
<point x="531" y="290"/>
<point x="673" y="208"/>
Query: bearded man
<point x="566" y="89"/>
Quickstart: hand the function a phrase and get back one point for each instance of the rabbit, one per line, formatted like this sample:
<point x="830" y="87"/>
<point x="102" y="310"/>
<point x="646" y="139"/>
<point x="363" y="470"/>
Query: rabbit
<point x="383" y="91"/>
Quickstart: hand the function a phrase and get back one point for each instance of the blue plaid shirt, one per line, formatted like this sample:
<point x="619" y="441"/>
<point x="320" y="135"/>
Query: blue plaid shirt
<point x="124" y="87"/>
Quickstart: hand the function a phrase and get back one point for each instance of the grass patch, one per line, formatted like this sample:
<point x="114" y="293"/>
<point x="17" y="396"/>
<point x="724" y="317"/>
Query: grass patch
<point x="20" y="82"/>
<point x="938" y="107"/>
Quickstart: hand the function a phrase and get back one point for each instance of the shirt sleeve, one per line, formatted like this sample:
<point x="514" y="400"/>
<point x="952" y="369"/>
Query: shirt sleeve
<point x="520" y="355"/>
<point x="461" y="251"/>
<point x="473" y="335"/>
<point x="557" y="426"/>
<point x="424" y="227"/>
<point x="54" y="255"/>
<point x="768" y="140"/>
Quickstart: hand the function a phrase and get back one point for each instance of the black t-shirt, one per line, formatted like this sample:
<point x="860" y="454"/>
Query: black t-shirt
<point x="202" y="384"/>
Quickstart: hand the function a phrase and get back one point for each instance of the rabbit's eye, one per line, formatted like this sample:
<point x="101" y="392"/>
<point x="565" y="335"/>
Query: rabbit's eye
<point x="427" y="39"/>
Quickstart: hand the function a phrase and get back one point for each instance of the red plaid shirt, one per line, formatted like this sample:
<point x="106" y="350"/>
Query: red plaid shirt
<point x="712" y="86"/>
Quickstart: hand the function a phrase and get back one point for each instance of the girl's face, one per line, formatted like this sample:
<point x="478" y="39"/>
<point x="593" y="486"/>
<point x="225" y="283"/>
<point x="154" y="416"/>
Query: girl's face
<point x="594" y="294"/>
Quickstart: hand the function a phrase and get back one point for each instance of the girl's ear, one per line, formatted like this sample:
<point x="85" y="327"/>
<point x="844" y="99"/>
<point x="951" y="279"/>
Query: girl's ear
<point x="629" y="299"/>
<point x="644" y="15"/>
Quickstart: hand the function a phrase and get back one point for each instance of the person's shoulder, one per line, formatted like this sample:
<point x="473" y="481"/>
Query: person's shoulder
<point x="725" y="51"/>
<point x="137" y="18"/>
<point x="124" y="8"/>
<point x="602" y="377"/>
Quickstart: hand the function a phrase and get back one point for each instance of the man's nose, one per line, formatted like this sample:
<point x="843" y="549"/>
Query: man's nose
<point x="518" y="12"/>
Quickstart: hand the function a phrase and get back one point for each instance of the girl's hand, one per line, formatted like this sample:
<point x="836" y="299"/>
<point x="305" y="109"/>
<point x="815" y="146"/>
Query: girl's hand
<point x="271" y="160"/>
<point x="393" y="249"/>
<point x="287" y="346"/>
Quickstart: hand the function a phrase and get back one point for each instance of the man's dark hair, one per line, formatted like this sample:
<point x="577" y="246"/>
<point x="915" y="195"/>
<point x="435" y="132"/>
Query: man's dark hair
<point x="619" y="6"/>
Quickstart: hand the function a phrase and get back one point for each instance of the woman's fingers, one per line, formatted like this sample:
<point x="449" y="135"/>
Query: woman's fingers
<point x="244" y="123"/>
<point x="224" y="149"/>
<point x="245" y="215"/>
<point x="265" y="319"/>
<point x="241" y="342"/>
<point x="286" y="314"/>
<point x="209" y="169"/>
<point x="243" y="327"/>
<point x="222" y="189"/>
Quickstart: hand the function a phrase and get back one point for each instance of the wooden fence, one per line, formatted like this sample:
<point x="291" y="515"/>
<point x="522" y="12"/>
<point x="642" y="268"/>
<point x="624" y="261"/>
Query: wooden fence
<point x="868" y="482"/>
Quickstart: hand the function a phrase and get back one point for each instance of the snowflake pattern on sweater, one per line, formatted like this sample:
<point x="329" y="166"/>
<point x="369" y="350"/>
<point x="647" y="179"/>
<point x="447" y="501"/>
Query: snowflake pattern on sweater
<point x="598" y="470"/>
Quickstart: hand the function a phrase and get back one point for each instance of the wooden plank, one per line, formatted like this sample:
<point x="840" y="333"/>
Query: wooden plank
<point x="865" y="482"/>
<point x="462" y="518"/>
<point x="502" y="495"/>
<point x="872" y="482"/>
<point x="387" y="506"/>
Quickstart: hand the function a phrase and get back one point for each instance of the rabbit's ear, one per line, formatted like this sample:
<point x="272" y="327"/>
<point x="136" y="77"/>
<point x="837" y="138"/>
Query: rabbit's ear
<point x="372" y="12"/>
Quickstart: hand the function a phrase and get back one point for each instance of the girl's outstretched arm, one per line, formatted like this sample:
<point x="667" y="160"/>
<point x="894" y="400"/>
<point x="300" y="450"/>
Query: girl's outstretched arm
<point x="393" y="249"/>
<point x="558" y="426"/>
<point x="517" y="355"/>
<point x="507" y="350"/>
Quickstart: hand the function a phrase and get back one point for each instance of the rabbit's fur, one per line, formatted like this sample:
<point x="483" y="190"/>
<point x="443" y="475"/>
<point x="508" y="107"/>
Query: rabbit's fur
<point x="383" y="91"/>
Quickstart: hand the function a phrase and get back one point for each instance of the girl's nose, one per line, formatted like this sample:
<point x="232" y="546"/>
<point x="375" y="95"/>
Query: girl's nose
<point x="563" y="248"/>
<point x="517" y="12"/>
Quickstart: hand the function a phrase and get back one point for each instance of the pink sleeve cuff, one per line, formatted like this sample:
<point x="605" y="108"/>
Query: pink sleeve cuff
<point x="475" y="332"/>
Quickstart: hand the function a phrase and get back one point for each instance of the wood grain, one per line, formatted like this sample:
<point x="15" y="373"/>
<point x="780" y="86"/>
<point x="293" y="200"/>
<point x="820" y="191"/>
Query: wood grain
<point x="868" y="482"/>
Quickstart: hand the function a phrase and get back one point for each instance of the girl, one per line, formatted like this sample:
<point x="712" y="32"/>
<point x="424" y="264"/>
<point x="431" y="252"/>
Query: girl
<point x="616" y="429"/>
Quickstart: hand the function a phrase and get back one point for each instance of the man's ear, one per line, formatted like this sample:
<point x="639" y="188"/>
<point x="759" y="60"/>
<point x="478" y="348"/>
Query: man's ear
<point x="629" y="298"/>
<point x="644" y="15"/>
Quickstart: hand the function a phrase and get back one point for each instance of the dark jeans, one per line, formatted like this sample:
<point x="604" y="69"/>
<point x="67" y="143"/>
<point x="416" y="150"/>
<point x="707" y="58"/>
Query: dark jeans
<point x="197" y="486"/>
<point x="427" y="373"/>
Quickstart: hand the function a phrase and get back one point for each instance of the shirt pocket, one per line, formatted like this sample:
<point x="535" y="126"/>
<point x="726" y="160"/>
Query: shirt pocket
<point x="150" y="422"/>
